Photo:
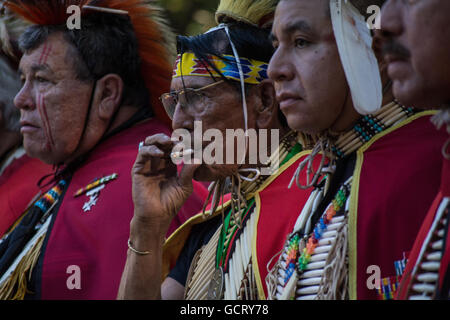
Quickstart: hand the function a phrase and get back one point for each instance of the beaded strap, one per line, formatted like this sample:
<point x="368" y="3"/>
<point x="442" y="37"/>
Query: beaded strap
<point x="51" y="196"/>
<point x="294" y="258"/>
<point x="369" y="126"/>
<point x="228" y="236"/>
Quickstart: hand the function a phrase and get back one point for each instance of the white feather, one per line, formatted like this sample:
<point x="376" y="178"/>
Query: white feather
<point x="354" y="43"/>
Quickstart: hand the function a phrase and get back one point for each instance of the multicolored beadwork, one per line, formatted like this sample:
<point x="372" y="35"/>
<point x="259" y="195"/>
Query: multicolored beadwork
<point x="294" y="258"/>
<point x="389" y="285"/>
<point x="367" y="127"/>
<point x="321" y="227"/>
<point x="51" y="196"/>
<point x="95" y="184"/>
<point x="254" y="71"/>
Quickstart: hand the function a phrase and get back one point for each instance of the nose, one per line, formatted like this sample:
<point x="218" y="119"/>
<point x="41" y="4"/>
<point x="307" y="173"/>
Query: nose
<point x="181" y="119"/>
<point x="280" y="68"/>
<point x="24" y="99"/>
<point x="391" y="19"/>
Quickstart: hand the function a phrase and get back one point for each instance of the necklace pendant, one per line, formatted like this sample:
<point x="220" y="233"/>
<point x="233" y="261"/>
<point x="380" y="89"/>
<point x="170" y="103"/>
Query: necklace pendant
<point x="216" y="286"/>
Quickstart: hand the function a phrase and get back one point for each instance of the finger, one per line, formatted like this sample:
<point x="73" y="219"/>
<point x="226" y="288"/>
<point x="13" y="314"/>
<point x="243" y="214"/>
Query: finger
<point x="146" y="153"/>
<point x="160" y="140"/>
<point x="146" y="158"/>
<point x="187" y="175"/>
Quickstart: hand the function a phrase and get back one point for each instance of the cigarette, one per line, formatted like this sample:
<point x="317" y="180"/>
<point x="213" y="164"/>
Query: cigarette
<point x="179" y="154"/>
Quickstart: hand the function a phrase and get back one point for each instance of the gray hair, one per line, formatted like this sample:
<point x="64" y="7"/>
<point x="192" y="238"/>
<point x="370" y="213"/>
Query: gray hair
<point x="9" y="86"/>
<point x="10" y="30"/>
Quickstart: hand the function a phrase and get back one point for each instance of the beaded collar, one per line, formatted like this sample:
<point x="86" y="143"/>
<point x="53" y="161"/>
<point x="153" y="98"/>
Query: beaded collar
<point x="336" y="146"/>
<point x="237" y="220"/>
<point x="233" y="222"/>
<point x="368" y="126"/>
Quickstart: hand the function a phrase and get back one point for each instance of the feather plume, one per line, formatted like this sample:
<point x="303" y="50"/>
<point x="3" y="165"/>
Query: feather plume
<point x="10" y="30"/>
<point x="155" y="39"/>
<point x="358" y="59"/>
<point x="255" y="12"/>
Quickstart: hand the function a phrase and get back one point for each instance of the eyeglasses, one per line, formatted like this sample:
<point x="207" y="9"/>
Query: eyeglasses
<point x="186" y="97"/>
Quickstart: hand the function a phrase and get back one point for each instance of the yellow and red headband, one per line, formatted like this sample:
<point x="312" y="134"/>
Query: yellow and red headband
<point x="254" y="71"/>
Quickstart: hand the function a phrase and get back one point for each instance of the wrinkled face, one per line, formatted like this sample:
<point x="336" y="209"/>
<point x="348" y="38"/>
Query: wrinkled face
<point x="218" y="107"/>
<point x="52" y="102"/>
<point x="309" y="79"/>
<point x="417" y="48"/>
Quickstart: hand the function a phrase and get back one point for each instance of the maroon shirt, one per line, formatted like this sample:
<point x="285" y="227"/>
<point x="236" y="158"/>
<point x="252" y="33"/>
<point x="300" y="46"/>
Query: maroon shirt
<point x="18" y="187"/>
<point x="95" y="242"/>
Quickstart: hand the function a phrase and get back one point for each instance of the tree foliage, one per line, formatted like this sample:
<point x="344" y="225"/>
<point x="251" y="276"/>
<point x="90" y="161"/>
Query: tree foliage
<point x="190" y="17"/>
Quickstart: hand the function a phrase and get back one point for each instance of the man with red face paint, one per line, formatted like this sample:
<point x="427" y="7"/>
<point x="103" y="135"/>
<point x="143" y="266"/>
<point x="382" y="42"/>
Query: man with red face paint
<point x="19" y="174"/>
<point x="85" y="111"/>
<point x="421" y="76"/>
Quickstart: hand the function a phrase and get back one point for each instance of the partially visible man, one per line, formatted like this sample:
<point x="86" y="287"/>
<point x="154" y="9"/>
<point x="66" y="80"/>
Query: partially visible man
<point x="19" y="174"/>
<point x="328" y="84"/>
<point x="88" y="97"/>
<point x="416" y="46"/>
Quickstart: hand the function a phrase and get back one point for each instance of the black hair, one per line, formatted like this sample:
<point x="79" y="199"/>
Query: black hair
<point x="106" y="43"/>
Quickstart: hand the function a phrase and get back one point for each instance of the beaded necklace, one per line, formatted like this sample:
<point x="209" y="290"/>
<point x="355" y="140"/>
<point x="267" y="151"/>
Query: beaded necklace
<point x="232" y="231"/>
<point x="298" y="251"/>
<point x="230" y="227"/>
<point x="369" y="126"/>
<point x="229" y="233"/>
<point x="336" y="146"/>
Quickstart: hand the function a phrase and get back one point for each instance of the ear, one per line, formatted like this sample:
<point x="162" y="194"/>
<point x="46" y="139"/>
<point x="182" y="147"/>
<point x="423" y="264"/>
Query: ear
<point x="109" y="91"/>
<point x="267" y="109"/>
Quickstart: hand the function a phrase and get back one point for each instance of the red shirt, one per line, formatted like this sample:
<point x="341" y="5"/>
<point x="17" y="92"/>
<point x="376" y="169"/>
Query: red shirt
<point x="18" y="186"/>
<point x="95" y="242"/>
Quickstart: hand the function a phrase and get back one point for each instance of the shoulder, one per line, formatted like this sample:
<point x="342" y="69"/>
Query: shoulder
<point x="415" y="133"/>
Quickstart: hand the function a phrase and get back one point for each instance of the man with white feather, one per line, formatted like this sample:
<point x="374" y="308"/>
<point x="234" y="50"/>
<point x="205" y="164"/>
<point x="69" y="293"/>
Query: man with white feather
<point x="353" y="239"/>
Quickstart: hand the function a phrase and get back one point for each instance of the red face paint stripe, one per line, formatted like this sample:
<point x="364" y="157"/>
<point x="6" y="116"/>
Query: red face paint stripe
<point x="43" y="53"/>
<point x="44" y="110"/>
<point x="47" y="54"/>
<point x="44" y="120"/>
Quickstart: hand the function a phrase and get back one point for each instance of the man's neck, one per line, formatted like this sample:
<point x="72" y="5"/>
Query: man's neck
<point x="92" y="138"/>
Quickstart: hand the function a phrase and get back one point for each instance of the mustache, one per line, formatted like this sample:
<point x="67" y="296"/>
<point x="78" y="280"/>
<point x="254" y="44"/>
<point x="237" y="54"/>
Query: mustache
<point x="392" y="47"/>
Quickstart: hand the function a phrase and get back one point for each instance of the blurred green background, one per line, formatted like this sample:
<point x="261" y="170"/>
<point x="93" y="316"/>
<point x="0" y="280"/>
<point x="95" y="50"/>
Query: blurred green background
<point x="190" y="17"/>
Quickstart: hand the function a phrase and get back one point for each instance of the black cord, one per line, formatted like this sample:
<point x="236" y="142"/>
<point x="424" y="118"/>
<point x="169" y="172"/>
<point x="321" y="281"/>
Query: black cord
<point x="343" y="167"/>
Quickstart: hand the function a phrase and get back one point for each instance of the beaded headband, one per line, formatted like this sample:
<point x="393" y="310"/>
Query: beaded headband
<point x="254" y="71"/>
